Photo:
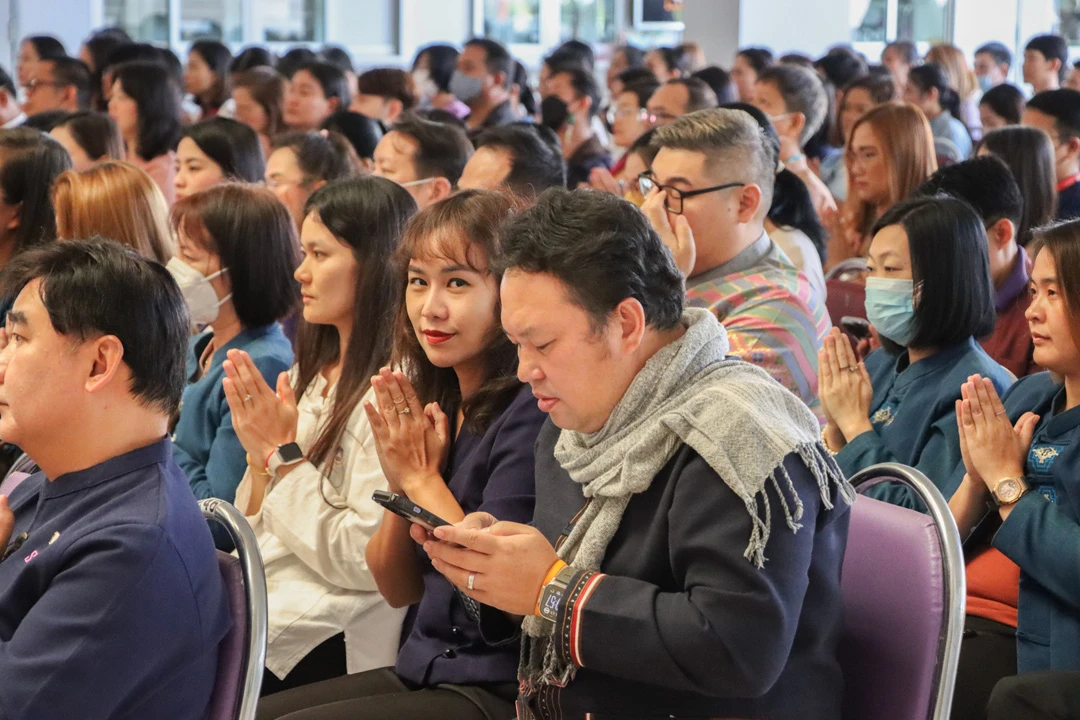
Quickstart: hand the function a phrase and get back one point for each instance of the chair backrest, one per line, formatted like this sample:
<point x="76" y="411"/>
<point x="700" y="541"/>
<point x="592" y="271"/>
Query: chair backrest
<point x="904" y="597"/>
<point x="12" y="481"/>
<point x="242" y="653"/>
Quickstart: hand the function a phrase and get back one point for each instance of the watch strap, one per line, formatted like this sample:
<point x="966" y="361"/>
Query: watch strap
<point x="283" y="455"/>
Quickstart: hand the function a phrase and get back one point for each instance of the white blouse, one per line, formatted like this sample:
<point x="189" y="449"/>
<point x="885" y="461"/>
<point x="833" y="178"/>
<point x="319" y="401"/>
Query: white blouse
<point x="317" y="578"/>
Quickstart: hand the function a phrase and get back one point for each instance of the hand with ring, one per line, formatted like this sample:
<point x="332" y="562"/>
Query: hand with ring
<point x="263" y="418"/>
<point x="411" y="440"/>
<point x="845" y="390"/>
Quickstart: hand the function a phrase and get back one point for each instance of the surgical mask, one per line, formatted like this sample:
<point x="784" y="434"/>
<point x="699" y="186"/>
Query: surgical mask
<point x="985" y="83"/>
<point x="466" y="88"/>
<point x="554" y="113"/>
<point x="202" y="301"/>
<point x="424" y="84"/>
<point x="890" y="308"/>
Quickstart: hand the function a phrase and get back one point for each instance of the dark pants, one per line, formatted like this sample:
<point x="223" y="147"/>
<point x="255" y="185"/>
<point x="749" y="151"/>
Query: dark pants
<point x="1050" y="695"/>
<point x="382" y="695"/>
<point x="987" y="654"/>
<point x="326" y="661"/>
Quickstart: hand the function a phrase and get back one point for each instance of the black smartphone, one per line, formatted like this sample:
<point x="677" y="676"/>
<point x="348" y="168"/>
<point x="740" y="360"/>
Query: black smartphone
<point x="406" y="508"/>
<point x="856" y="327"/>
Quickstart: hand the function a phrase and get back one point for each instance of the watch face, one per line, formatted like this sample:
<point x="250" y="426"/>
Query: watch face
<point x="1008" y="491"/>
<point x="290" y="453"/>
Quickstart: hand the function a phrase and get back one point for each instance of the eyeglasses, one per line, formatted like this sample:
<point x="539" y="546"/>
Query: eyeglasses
<point x="614" y="113"/>
<point x="33" y="85"/>
<point x="674" y="197"/>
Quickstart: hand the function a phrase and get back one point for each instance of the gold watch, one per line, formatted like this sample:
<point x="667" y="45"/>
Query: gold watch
<point x="1009" y="490"/>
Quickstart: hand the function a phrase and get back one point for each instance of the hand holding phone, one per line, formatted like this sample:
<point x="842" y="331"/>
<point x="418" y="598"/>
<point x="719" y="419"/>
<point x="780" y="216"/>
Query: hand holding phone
<point x="403" y="507"/>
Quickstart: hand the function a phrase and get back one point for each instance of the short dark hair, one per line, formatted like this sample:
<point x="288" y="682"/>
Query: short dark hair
<point x="389" y="83"/>
<point x="676" y="59"/>
<point x="320" y="157"/>
<point x="157" y="98"/>
<point x="1064" y="106"/>
<point x="72" y="71"/>
<point x="758" y="58"/>
<point x="802" y="92"/>
<point x="6" y="83"/>
<point x="642" y="89"/>
<point x="535" y="165"/>
<point x="96" y="133"/>
<point x="998" y="51"/>
<point x="1006" y="101"/>
<point x="442" y="59"/>
<point x="636" y="75"/>
<point x="255" y="237"/>
<point x="135" y="299"/>
<point x="442" y="150"/>
<point x="45" y="121"/>
<point x="362" y="132"/>
<point x="46" y="46"/>
<point x="31" y="162"/>
<point x="719" y="80"/>
<point x="250" y="58"/>
<point x="840" y="66"/>
<point x="581" y="50"/>
<point x="931" y="76"/>
<point x="337" y="56"/>
<point x="907" y="51"/>
<point x="131" y="52"/>
<point x="985" y="183"/>
<point x="234" y="146"/>
<point x="496" y="57"/>
<point x="951" y="267"/>
<point x="293" y="59"/>
<point x="602" y="249"/>
<point x="584" y="84"/>
<point x="635" y="56"/>
<point x="218" y="58"/>
<point x="333" y="82"/>
<point x="699" y="95"/>
<point x="1051" y="47"/>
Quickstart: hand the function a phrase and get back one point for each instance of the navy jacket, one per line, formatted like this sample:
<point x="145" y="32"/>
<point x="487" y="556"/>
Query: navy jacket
<point x="1069" y="203"/>
<point x="113" y="606"/>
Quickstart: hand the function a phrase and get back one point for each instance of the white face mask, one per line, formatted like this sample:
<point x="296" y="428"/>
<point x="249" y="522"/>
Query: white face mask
<point x="202" y="301"/>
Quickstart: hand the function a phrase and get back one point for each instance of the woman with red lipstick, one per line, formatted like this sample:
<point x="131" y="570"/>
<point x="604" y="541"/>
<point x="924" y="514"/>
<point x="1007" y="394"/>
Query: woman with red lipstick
<point x="1020" y="458"/>
<point x="469" y="448"/>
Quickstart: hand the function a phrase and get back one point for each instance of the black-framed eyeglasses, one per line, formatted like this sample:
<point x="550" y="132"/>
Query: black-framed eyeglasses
<point x="673" y="196"/>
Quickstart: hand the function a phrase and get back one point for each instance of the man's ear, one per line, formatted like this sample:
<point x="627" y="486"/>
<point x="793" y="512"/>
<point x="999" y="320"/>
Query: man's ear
<point x="499" y="80"/>
<point x="749" y="203"/>
<point x="798" y="123"/>
<point x="106" y="359"/>
<point x="440" y="188"/>
<point x="1001" y="233"/>
<point x="630" y="316"/>
<point x="394" y="107"/>
<point x="1073" y="145"/>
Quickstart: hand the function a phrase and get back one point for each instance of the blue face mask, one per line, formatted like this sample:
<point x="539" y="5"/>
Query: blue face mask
<point x="890" y="308"/>
<point x="985" y="83"/>
<point x="466" y="87"/>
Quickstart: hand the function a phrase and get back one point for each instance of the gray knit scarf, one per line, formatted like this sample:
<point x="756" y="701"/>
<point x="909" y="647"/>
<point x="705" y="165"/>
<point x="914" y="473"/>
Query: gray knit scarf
<point x="739" y="419"/>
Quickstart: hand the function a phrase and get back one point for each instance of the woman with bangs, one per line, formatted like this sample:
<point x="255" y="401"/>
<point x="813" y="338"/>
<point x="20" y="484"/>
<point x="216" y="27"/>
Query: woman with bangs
<point x="455" y="434"/>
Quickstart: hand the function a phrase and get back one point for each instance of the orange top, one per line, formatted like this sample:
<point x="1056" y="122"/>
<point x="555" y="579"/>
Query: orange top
<point x="993" y="587"/>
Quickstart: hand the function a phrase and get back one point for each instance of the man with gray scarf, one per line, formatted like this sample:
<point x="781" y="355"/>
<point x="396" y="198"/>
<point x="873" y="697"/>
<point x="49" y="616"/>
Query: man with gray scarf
<point x="684" y="557"/>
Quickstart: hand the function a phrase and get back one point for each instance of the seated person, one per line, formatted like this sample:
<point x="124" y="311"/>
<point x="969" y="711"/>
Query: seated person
<point x="637" y="161"/>
<point x="1057" y="113"/>
<point x="301" y="163"/>
<point x="516" y="157"/>
<point x="315" y="91"/>
<point x="928" y="89"/>
<point x="362" y="132"/>
<point x="426" y="158"/>
<point x="1046" y="61"/>
<point x="712" y="187"/>
<point x="628" y="114"/>
<point x="693" y="485"/>
<point x="58" y="84"/>
<point x="679" y="97"/>
<point x="899" y="405"/>
<point x="445" y="329"/>
<point x="482" y="80"/>
<point x="571" y="104"/>
<point x="987" y="185"/>
<point x="385" y="94"/>
<point x="312" y="458"/>
<point x="1020" y="455"/>
<point x="111" y="600"/>
<point x="1036" y="696"/>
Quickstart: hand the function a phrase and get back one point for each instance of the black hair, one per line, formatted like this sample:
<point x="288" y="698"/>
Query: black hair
<point x="525" y="91"/>
<point x="333" y="82"/>
<point x="950" y="266"/>
<point x="676" y="59"/>
<point x="1064" y="106"/>
<point x="603" y="251"/>
<point x="131" y="52"/>
<point x="792" y="206"/>
<point x="1052" y="47"/>
<point x="496" y="57"/>
<point x="158" y="101"/>
<point x="644" y="148"/>
<point x="293" y="59"/>
<point x="438" y="115"/>
<point x="442" y="59"/>
<point x="250" y="57"/>
<point x="219" y="59"/>
<point x="583" y="83"/>
<point x="337" y="56"/>
<point x="637" y="75"/>
<point x="985" y="183"/>
<point x="46" y="120"/>
<point x="931" y="76"/>
<point x="234" y="146"/>
<point x="1006" y="101"/>
<point x="362" y="132"/>
<point x="72" y="71"/>
<point x="907" y="50"/>
<point x="46" y="47"/>
<point x="135" y="299"/>
<point x="581" y="50"/>
<point x="797" y="58"/>
<point x="699" y="95"/>
<point x="535" y="163"/>
<point x="442" y="150"/>
<point x="635" y="56"/>
<point x="642" y="89"/>
<point x="1029" y="154"/>
<point x="31" y="162"/>
<point x="96" y="133"/>
<point x="841" y="66"/>
<point x="719" y="80"/>
<point x="6" y="83"/>
<point x="172" y="63"/>
<point x="758" y="58"/>
<point x="99" y="46"/>
<point x="1001" y="54"/>
<point x="320" y="157"/>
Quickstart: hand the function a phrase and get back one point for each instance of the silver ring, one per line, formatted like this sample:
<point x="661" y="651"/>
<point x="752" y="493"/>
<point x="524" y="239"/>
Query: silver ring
<point x="472" y="579"/>
<point x="406" y="411"/>
<point x="247" y="398"/>
<point x="853" y="368"/>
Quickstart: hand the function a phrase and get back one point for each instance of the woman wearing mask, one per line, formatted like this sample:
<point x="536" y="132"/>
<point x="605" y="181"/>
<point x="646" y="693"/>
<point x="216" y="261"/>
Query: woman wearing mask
<point x="476" y="435"/>
<point x="928" y="89"/>
<point x="235" y="260"/>
<point x="431" y="70"/>
<point x="928" y="295"/>
<point x="301" y="163"/>
<point x="310" y="448"/>
<point x="215" y="151"/>
<point x="206" y="76"/>
<point x="1029" y="153"/>
<point x="146" y="107"/>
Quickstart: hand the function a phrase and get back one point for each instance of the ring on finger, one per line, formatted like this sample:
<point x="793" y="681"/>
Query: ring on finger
<point x="406" y="411"/>
<point x="472" y="580"/>
<point x="247" y="398"/>
<point x="853" y="368"/>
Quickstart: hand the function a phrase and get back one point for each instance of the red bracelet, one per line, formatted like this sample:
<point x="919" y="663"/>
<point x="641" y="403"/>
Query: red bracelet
<point x="266" y="465"/>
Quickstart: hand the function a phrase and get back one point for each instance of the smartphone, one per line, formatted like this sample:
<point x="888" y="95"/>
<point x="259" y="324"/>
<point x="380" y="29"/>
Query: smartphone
<point x="856" y="327"/>
<point x="406" y="508"/>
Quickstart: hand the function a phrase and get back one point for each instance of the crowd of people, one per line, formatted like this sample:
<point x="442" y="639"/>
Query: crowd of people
<point x="628" y="335"/>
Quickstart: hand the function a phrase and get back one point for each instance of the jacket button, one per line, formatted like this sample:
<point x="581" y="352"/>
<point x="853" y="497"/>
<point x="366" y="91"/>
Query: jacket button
<point x="449" y="654"/>
<point x="455" y="631"/>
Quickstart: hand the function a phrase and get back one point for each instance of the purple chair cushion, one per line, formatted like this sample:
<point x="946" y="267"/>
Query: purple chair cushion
<point x="893" y="586"/>
<point x="225" y="701"/>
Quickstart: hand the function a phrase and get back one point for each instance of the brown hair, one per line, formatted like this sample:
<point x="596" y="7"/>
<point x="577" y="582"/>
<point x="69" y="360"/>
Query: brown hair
<point x="952" y="61"/>
<point x="465" y="227"/>
<point x="907" y="145"/>
<point x="1062" y="241"/>
<point x="115" y="201"/>
<point x="389" y="83"/>
<point x="267" y="87"/>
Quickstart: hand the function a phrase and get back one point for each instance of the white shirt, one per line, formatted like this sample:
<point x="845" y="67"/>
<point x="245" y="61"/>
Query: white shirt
<point x="317" y="578"/>
<point x="14" y="122"/>
<point x="801" y="251"/>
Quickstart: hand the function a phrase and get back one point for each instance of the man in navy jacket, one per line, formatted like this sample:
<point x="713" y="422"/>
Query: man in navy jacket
<point x="111" y="602"/>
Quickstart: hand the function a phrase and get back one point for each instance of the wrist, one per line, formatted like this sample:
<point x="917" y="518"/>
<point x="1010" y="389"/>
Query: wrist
<point x="833" y="438"/>
<point x="555" y="569"/>
<point x="419" y="481"/>
<point x="854" y="428"/>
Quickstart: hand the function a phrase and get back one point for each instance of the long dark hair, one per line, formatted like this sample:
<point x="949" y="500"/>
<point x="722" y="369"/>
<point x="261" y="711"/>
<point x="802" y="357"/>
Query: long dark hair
<point x="157" y="98"/>
<point x="1029" y="153"/>
<point x="31" y="162"/>
<point x="368" y="214"/>
<point x="218" y="58"/>
<point x="235" y="147"/>
<point x="931" y="76"/>
<point x="464" y="227"/>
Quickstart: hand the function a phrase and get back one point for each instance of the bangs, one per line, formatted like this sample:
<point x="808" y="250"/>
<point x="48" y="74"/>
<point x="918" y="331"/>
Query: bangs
<point x="187" y="218"/>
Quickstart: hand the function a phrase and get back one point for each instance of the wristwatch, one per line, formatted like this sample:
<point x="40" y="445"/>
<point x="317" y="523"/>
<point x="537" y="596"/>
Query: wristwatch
<point x="1009" y="490"/>
<point x="285" y="455"/>
<point x="552" y="594"/>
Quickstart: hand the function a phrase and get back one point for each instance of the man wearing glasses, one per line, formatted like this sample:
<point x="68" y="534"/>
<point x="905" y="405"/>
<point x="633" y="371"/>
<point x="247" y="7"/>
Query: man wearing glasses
<point x="59" y="84"/>
<point x="707" y="195"/>
<point x="678" y="97"/>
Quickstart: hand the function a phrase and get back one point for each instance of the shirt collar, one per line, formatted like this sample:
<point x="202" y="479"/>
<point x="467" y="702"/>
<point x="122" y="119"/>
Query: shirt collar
<point x="15" y="121"/>
<point x="748" y="258"/>
<point x="1014" y="284"/>
<point x="156" y="453"/>
<point x="1068" y="182"/>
